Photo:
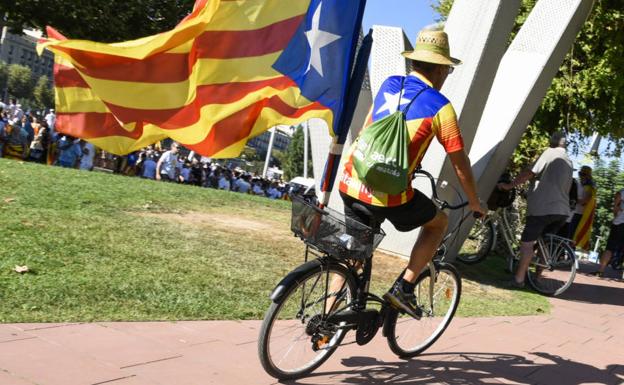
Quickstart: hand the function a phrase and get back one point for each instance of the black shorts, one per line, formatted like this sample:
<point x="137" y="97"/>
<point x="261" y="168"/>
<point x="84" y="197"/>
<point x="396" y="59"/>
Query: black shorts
<point x="615" y="242"/>
<point x="543" y="224"/>
<point x="406" y="217"/>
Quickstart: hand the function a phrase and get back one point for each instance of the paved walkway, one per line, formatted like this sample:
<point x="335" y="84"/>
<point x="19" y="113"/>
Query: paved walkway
<point x="580" y="342"/>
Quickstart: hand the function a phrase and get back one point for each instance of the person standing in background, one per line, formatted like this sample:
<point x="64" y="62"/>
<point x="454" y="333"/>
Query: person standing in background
<point x="615" y="242"/>
<point x="584" y="212"/>
<point x="548" y="202"/>
<point x="88" y="155"/>
<point x="167" y="165"/>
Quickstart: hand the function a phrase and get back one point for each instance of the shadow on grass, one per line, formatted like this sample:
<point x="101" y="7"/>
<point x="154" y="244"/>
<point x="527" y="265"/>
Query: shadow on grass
<point x="491" y="271"/>
<point x="472" y="368"/>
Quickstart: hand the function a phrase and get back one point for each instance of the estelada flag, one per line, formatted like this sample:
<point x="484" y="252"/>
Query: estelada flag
<point x="582" y="234"/>
<point x="228" y="72"/>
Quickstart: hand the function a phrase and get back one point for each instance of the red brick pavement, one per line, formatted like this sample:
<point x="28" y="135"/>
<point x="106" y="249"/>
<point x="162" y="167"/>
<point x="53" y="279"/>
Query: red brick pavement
<point x="581" y="342"/>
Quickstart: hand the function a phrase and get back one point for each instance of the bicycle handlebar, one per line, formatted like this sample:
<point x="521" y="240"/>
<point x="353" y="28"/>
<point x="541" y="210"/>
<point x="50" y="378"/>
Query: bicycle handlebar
<point x="443" y="204"/>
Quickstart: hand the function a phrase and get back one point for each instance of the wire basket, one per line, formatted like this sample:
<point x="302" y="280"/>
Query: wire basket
<point x="332" y="233"/>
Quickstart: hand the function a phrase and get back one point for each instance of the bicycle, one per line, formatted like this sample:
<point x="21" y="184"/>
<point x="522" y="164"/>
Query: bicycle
<point x="310" y="314"/>
<point x="553" y="267"/>
<point x="483" y="236"/>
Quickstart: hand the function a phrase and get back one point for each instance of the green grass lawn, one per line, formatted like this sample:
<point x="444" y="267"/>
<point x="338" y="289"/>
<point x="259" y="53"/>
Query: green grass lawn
<point x="108" y="247"/>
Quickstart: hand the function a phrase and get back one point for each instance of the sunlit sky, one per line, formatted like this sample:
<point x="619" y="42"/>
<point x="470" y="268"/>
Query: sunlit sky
<point x="411" y="15"/>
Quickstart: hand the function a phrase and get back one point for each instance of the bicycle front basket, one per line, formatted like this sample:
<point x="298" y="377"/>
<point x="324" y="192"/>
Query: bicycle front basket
<point x="329" y="231"/>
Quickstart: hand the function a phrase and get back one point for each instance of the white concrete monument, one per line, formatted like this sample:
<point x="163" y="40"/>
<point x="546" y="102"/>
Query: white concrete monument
<point x="524" y="75"/>
<point x="513" y="87"/>
<point x="478" y="34"/>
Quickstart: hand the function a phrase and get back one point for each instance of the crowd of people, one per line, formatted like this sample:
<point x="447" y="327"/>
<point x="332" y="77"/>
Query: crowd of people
<point x="171" y="166"/>
<point x="29" y="136"/>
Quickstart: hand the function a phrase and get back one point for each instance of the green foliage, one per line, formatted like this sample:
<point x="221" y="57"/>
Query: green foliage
<point x="588" y="91"/>
<point x="609" y="178"/>
<point x="278" y="158"/>
<point x="4" y="75"/>
<point x="105" y="21"/>
<point x="20" y="81"/>
<point x="43" y="93"/>
<point x="293" y="161"/>
<point x="530" y="148"/>
<point x="250" y="154"/>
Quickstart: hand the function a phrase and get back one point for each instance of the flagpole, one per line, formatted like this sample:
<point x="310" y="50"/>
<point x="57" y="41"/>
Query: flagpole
<point x="351" y="101"/>
<point x="268" y="155"/>
<point x="306" y="145"/>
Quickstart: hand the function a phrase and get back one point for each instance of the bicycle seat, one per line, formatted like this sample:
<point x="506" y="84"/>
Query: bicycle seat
<point x="363" y="211"/>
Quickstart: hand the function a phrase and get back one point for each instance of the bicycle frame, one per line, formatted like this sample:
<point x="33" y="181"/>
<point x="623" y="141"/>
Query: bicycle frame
<point x="363" y="280"/>
<point x="500" y="219"/>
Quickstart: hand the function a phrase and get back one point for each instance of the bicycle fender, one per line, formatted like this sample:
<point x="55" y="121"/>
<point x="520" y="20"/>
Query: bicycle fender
<point x="291" y="278"/>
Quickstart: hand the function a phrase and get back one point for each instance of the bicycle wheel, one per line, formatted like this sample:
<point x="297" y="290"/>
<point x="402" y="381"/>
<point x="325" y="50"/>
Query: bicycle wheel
<point x="553" y="273"/>
<point x="294" y="338"/>
<point x="408" y="337"/>
<point x="480" y="242"/>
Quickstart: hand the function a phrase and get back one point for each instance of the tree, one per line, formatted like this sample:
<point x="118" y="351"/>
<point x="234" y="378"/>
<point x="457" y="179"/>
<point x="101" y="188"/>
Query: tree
<point x="587" y="94"/>
<point x="20" y="81"/>
<point x="43" y="93"/>
<point x="278" y="158"/>
<point x="105" y="21"/>
<point x="293" y="161"/>
<point x="609" y="179"/>
<point x="4" y="76"/>
<point x="250" y="154"/>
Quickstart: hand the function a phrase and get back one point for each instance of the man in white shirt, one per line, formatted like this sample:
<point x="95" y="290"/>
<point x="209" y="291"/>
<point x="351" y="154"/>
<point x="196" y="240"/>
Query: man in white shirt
<point x="548" y="205"/>
<point x="167" y="165"/>
<point x="50" y="118"/>
<point x="88" y="154"/>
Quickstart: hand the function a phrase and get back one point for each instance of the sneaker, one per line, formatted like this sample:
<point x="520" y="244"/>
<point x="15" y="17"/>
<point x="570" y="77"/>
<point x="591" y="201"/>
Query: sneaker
<point x="597" y="273"/>
<point x="513" y="284"/>
<point x="402" y="301"/>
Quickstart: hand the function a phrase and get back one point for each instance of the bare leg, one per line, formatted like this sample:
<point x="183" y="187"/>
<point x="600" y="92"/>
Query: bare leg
<point x="337" y="283"/>
<point x="604" y="260"/>
<point x="430" y="237"/>
<point x="526" y="254"/>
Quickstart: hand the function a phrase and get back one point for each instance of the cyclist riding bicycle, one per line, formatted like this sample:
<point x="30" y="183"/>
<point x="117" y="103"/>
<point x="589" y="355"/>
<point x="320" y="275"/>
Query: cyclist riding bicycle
<point x="429" y="114"/>
<point x="548" y="204"/>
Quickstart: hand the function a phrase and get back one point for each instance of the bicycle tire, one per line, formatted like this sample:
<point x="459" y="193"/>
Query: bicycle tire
<point x="559" y="275"/>
<point x="279" y="369"/>
<point x="483" y="233"/>
<point x="400" y="328"/>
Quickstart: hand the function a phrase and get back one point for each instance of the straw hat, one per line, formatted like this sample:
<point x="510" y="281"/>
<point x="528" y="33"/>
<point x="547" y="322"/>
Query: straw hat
<point x="432" y="46"/>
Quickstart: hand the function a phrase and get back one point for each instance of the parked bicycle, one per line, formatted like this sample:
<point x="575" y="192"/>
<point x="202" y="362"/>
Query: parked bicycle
<point x="310" y="314"/>
<point x="553" y="267"/>
<point x="483" y="237"/>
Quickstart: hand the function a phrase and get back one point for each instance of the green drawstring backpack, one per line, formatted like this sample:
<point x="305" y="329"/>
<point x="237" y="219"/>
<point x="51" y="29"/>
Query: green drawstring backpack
<point x="381" y="156"/>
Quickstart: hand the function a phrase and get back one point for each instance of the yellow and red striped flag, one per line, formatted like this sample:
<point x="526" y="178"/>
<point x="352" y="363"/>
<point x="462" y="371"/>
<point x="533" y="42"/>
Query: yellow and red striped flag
<point x="582" y="234"/>
<point x="228" y="72"/>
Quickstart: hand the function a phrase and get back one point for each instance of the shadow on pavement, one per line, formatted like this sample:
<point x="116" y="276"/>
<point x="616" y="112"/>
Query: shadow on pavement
<point x="608" y="290"/>
<point x="471" y="368"/>
<point x="594" y="293"/>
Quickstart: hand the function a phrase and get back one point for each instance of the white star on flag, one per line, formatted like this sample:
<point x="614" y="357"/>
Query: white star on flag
<point x="318" y="39"/>
<point x="392" y="101"/>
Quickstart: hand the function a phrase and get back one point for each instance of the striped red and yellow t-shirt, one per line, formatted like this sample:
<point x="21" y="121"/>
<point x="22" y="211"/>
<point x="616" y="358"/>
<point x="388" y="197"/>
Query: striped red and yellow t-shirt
<point x="430" y="115"/>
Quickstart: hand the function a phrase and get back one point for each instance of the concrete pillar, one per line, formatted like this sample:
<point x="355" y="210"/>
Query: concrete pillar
<point x="523" y="77"/>
<point x="478" y="34"/>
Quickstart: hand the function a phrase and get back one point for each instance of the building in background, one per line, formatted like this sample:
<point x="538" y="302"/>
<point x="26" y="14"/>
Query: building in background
<point x="20" y="49"/>
<point x="283" y="136"/>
